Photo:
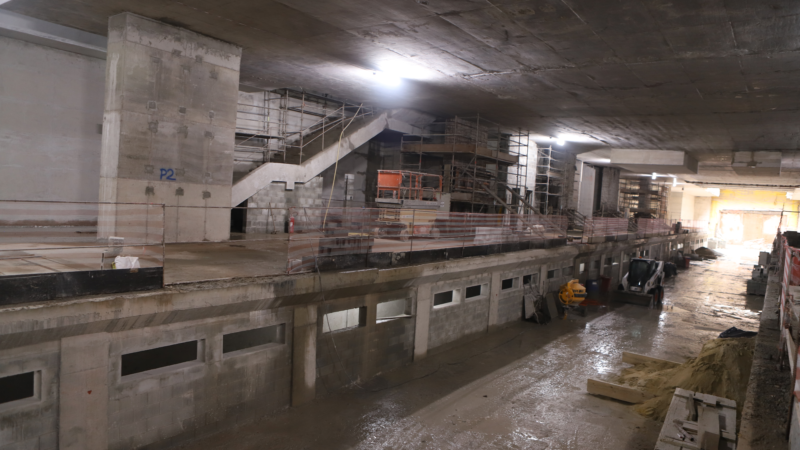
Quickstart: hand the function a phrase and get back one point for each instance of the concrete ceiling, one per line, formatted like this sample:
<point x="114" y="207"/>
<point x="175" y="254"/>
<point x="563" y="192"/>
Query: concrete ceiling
<point x="707" y="76"/>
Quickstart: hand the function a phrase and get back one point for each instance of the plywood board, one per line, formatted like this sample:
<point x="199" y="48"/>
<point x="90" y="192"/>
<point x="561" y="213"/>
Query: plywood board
<point x="617" y="391"/>
<point x="635" y="358"/>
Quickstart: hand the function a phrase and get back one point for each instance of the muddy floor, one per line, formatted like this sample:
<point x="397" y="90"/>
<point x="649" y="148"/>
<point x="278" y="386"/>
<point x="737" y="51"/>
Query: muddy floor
<point x="523" y="387"/>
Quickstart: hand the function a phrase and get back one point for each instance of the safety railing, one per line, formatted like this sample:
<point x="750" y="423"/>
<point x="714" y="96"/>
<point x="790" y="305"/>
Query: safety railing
<point x="652" y="227"/>
<point x="605" y="227"/>
<point x="351" y="237"/>
<point x="49" y="237"/>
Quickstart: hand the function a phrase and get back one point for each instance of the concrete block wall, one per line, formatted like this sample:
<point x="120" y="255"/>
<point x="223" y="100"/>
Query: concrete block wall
<point x="509" y="307"/>
<point x="356" y="354"/>
<point x="553" y="284"/>
<point x="176" y="403"/>
<point x="276" y="197"/>
<point x="32" y="423"/>
<point x="453" y="321"/>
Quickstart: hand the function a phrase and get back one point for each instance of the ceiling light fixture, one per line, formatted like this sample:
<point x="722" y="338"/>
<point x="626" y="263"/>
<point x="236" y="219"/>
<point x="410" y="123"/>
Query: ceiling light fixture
<point x="560" y="141"/>
<point x="654" y="175"/>
<point x="674" y="181"/>
<point x="387" y="79"/>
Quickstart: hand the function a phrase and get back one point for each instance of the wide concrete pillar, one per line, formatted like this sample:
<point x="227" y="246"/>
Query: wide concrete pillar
<point x="169" y="126"/>
<point x="423" y="322"/>
<point x="494" y="300"/>
<point x="304" y="355"/>
<point x="83" y="393"/>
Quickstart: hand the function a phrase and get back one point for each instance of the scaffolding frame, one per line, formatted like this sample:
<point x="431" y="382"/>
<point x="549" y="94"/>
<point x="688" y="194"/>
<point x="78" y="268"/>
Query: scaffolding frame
<point x="287" y="120"/>
<point x="550" y="180"/>
<point x="482" y="162"/>
<point x="643" y="196"/>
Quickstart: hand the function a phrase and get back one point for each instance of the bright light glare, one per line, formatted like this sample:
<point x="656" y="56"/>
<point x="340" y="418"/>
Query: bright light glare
<point x="654" y="175"/>
<point x="560" y="141"/>
<point x="386" y="79"/>
<point x="714" y="191"/>
<point x="674" y="182"/>
<point x="789" y="195"/>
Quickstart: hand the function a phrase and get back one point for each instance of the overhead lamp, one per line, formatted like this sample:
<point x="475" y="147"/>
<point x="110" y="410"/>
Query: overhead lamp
<point x="674" y="181"/>
<point x="386" y="79"/>
<point x="560" y="141"/>
<point x="654" y="175"/>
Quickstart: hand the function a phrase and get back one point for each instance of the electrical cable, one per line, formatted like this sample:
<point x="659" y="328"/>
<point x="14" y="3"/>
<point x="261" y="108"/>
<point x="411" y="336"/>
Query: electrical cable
<point x="336" y="165"/>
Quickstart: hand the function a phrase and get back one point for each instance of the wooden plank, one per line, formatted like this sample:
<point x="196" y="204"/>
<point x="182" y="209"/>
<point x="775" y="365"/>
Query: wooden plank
<point x="616" y="391"/>
<point x="708" y="429"/>
<point x="635" y="358"/>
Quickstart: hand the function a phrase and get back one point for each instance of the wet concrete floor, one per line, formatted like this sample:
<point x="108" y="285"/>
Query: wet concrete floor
<point x="522" y="387"/>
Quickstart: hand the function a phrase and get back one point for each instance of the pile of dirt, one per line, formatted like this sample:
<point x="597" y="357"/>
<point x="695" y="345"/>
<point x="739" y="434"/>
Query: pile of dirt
<point x="707" y="253"/>
<point x="721" y="369"/>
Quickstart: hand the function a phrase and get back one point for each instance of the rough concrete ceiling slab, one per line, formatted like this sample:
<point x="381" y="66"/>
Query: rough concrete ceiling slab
<point x="706" y="76"/>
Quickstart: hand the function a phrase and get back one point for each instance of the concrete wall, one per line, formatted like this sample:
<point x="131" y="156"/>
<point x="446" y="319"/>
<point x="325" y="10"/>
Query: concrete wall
<point x="352" y="355"/>
<point x="77" y="346"/>
<point x="169" y="125"/>
<point x="51" y="112"/>
<point x="275" y="201"/>
<point x="702" y="209"/>
<point x="586" y="195"/>
<point x="609" y="189"/>
<point x="680" y="206"/>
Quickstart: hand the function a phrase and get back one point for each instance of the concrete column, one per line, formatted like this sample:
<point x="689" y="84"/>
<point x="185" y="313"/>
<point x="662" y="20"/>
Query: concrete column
<point x="304" y="355"/>
<point x="424" y="306"/>
<point x="169" y="127"/>
<point x="494" y="300"/>
<point x="83" y="393"/>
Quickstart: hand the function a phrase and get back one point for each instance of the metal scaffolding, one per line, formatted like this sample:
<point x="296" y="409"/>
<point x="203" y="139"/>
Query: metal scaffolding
<point x="550" y="173"/>
<point x="484" y="166"/>
<point x="644" y="197"/>
<point x="280" y="125"/>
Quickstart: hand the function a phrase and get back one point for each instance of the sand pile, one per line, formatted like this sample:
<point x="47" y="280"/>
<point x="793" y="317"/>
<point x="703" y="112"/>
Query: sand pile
<point x="721" y="369"/>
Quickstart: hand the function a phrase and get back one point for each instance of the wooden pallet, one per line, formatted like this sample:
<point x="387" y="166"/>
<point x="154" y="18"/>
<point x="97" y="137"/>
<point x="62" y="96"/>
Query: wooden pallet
<point x="708" y="422"/>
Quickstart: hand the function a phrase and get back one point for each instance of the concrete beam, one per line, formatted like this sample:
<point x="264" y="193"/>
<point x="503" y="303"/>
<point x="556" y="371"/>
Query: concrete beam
<point x="37" y="31"/>
<point x="649" y="161"/>
<point x="423" y="322"/>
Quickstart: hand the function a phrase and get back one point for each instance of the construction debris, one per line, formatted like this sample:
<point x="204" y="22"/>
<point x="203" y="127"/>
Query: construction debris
<point x="721" y="369"/>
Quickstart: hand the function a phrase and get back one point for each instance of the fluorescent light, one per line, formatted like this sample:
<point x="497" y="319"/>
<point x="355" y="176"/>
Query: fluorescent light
<point x="387" y="79"/>
<point x="560" y="141"/>
<point x="654" y="175"/>
<point x="674" y="181"/>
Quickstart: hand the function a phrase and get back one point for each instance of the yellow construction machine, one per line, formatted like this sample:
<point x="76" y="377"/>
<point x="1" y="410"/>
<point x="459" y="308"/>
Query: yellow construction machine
<point x="571" y="295"/>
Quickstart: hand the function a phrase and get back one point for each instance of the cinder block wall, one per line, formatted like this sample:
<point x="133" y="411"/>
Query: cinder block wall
<point x="276" y="200"/>
<point x="357" y="354"/>
<point x="460" y="319"/>
<point x="173" y="404"/>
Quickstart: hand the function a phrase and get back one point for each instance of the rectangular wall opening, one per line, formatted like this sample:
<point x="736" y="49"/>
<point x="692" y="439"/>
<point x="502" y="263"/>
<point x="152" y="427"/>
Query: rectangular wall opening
<point x="159" y="357"/>
<point x="445" y="298"/>
<point x="531" y="279"/>
<point x="17" y="387"/>
<point x="393" y="310"/>
<point x="275" y="334"/>
<point x="474" y="291"/>
<point x="343" y="320"/>
<point x="508" y="283"/>
<point x="551" y="274"/>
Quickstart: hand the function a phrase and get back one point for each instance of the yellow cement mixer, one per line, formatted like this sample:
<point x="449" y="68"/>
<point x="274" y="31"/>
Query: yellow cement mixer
<point x="571" y="295"/>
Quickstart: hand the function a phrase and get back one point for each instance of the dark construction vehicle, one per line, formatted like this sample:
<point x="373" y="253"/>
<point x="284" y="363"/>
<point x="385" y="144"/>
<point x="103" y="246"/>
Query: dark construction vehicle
<point x="642" y="285"/>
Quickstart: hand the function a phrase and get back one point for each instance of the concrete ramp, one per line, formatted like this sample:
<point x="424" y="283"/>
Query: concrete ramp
<point x="401" y="120"/>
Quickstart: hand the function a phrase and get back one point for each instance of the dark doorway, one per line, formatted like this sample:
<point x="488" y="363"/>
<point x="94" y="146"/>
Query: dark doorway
<point x="239" y="218"/>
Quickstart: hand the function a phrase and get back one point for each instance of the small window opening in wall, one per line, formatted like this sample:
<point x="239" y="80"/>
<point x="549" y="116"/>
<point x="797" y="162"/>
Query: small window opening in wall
<point x="342" y="320"/>
<point x="615" y="261"/>
<point x="531" y="279"/>
<point x="551" y="274"/>
<point x="597" y="264"/>
<point x="581" y="268"/>
<point x="17" y="387"/>
<point x="474" y="291"/>
<point x="275" y="334"/>
<point x="609" y="261"/>
<point x="159" y="357"/>
<point x="445" y="298"/>
<point x="393" y="310"/>
<point x="508" y="283"/>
